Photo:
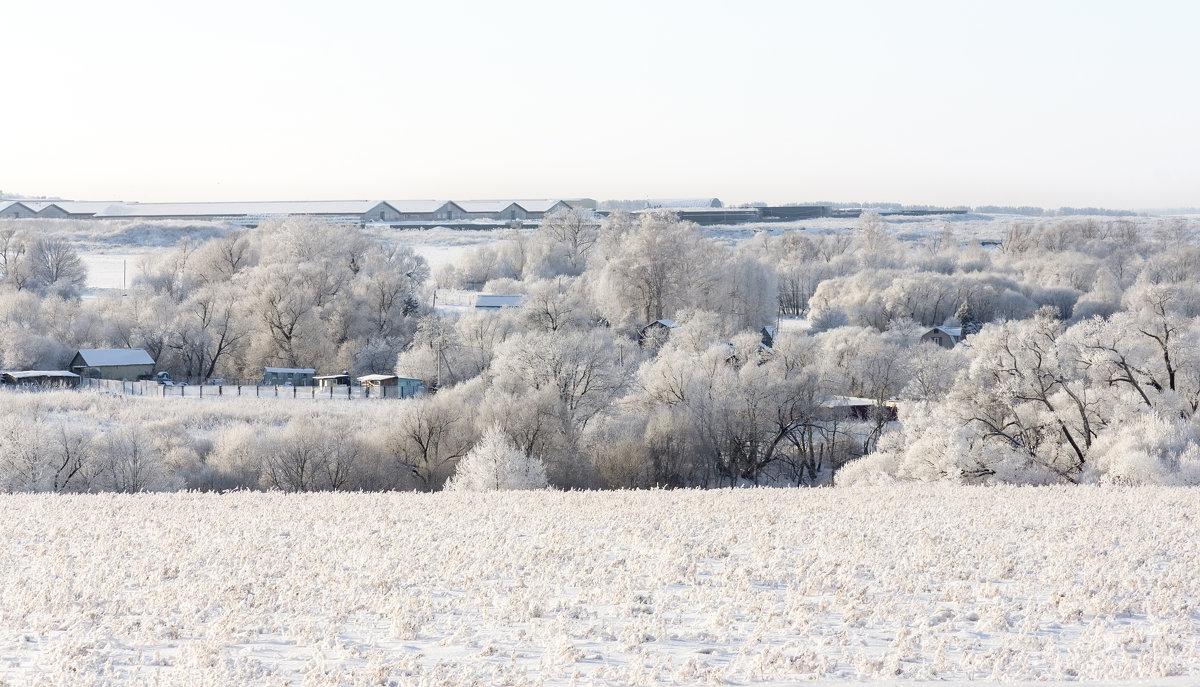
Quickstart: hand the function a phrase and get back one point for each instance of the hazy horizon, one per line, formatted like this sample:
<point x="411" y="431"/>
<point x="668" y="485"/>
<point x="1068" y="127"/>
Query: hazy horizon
<point x="937" y="103"/>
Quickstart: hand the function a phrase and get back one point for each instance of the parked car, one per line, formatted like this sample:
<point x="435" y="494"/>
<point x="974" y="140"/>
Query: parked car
<point x="217" y="381"/>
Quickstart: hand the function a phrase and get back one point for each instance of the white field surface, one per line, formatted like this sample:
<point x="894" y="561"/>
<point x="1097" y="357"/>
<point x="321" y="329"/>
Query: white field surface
<point x="894" y="584"/>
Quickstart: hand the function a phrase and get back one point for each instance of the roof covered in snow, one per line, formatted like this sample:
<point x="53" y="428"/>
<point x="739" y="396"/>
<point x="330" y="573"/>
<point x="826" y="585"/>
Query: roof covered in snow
<point x="377" y="378"/>
<point x="74" y="207"/>
<point x="485" y="300"/>
<point x="111" y="357"/>
<point x="307" y="207"/>
<point x="951" y="331"/>
<point x="32" y="374"/>
<point x="416" y="206"/>
<point x="540" y="205"/>
<point x="682" y="203"/>
<point x="483" y="205"/>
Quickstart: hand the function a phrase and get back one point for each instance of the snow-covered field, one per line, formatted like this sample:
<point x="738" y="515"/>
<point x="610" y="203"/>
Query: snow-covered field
<point x="739" y="587"/>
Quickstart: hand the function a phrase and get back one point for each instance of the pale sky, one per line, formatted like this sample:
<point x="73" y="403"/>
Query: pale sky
<point x="1031" y="103"/>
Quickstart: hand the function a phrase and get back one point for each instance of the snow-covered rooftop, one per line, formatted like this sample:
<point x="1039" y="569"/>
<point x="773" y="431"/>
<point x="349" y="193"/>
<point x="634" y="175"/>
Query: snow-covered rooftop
<point x="539" y="205"/>
<point x="416" y="206"/>
<point x="951" y="331"/>
<point x="306" y="207"/>
<point x="484" y="300"/>
<point x="74" y="207"/>
<point x="483" y="205"/>
<point x="377" y="378"/>
<point x="27" y="374"/>
<point x="108" y="357"/>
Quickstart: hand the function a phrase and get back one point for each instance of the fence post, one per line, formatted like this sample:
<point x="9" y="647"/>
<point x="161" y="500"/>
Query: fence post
<point x="294" y="390"/>
<point x="181" y="390"/>
<point x="201" y="391"/>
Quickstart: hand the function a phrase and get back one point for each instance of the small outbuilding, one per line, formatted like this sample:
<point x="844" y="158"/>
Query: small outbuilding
<point x="113" y="363"/>
<point x="327" y="381"/>
<point x="288" y="376"/>
<point x="42" y="378"/>
<point x="390" y="385"/>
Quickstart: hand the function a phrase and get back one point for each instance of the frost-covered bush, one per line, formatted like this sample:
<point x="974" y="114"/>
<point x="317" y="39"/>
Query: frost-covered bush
<point x="496" y="464"/>
<point x="1148" y="448"/>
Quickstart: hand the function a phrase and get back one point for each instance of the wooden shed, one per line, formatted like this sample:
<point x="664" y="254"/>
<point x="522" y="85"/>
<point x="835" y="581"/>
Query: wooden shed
<point x="42" y="378"/>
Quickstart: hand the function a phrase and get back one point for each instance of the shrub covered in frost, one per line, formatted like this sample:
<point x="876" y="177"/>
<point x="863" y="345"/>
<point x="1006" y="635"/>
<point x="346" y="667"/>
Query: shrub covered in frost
<point x="496" y="464"/>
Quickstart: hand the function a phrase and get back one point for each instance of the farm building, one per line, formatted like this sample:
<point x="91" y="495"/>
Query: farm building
<point x="13" y="209"/>
<point x="254" y="212"/>
<point x="288" y="376"/>
<point x="337" y="211"/>
<point x="42" y="378"/>
<point x="326" y="381"/>
<point x="390" y="385"/>
<point x="67" y="209"/>
<point x="113" y="363"/>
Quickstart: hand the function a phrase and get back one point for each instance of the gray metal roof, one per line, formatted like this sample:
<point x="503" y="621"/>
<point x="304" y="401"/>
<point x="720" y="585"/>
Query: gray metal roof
<point x="110" y="357"/>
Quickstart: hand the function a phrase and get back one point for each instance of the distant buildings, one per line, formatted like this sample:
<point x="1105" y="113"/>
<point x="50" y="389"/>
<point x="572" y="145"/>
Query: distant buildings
<point x="337" y="211"/>
<point x="450" y="213"/>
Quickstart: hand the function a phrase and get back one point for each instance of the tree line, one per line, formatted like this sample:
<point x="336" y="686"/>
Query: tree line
<point x="1079" y="329"/>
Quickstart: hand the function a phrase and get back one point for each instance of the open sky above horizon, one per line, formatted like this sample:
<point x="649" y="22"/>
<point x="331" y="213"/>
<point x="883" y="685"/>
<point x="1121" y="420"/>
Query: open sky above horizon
<point x="1015" y="103"/>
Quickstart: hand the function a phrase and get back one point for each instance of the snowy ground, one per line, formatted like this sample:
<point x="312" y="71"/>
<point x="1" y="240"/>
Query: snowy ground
<point x="737" y="587"/>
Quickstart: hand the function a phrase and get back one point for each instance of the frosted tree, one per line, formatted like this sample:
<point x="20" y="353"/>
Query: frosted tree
<point x="495" y="464"/>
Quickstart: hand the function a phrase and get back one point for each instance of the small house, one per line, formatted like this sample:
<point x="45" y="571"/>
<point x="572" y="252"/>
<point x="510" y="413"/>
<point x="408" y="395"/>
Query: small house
<point x="288" y="376"/>
<point x="42" y="378"/>
<point x="113" y="363"/>
<point x="946" y="337"/>
<point x="768" y="336"/>
<point x="655" y="333"/>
